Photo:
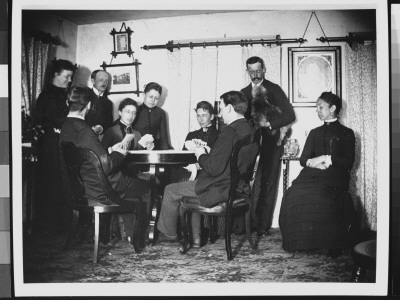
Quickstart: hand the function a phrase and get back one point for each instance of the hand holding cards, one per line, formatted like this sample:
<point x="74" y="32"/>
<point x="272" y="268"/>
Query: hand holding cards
<point x="119" y="148"/>
<point x="126" y="142"/>
<point x="147" y="141"/>
<point x="195" y="143"/>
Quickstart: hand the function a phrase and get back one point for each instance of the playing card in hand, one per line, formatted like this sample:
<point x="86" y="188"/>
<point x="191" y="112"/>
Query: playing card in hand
<point x="190" y="145"/>
<point x="199" y="143"/>
<point x="126" y="142"/>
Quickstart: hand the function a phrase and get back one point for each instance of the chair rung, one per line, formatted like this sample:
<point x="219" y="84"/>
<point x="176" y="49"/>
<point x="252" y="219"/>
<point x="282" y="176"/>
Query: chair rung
<point x="240" y="202"/>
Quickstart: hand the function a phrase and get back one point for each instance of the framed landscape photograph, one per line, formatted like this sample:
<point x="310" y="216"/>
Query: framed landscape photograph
<point x="313" y="70"/>
<point x="124" y="78"/>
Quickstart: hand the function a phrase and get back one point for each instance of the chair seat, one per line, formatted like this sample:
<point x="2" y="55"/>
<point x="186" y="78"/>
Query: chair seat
<point x="219" y="209"/>
<point x="113" y="208"/>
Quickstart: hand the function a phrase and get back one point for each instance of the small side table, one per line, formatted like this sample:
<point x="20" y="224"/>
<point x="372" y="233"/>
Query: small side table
<point x="364" y="256"/>
<point x="286" y="162"/>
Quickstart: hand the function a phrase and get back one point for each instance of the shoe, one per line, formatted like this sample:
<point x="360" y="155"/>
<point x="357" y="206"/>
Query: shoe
<point x="262" y="233"/>
<point x="334" y="253"/>
<point x="196" y="241"/>
<point x="162" y="237"/>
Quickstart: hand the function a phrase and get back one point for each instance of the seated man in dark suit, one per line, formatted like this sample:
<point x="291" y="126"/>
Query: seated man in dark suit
<point x="77" y="131"/>
<point x="212" y="186"/>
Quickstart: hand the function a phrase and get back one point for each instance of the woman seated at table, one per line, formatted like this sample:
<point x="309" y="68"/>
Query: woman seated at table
<point x="152" y="119"/>
<point x="122" y="131"/>
<point x="317" y="211"/>
<point x="205" y="136"/>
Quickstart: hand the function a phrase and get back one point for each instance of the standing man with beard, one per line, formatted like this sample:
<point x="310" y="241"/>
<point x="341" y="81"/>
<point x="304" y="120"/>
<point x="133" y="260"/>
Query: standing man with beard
<point x="268" y="172"/>
<point x="101" y="108"/>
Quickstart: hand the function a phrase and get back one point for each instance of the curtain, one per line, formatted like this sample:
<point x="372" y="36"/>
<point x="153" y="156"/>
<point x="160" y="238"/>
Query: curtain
<point x="204" y="74"/>
<point x="34" y="58"/>
<point x="34" y="62"/>
<point x="361" y="91"/>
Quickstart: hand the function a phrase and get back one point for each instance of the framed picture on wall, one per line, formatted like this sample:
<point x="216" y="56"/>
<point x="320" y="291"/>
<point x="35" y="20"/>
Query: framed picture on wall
<point x="122" y="41"/>
<point x="313" y="70"/>
<point x="124" y="78"/>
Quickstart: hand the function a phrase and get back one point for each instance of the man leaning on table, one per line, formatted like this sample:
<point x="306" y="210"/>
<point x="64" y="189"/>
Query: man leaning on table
<point x="212" y="186"/>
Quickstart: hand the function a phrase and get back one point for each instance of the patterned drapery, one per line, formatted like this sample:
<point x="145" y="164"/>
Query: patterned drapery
<point x="34" y="62"/>
<point x="201" y="74"/>
<point x="34" y="58"/>
<point x="361" y="90"/>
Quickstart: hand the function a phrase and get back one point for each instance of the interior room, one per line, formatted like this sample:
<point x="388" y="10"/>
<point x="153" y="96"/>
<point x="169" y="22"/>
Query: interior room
<point x="198" y="55"/>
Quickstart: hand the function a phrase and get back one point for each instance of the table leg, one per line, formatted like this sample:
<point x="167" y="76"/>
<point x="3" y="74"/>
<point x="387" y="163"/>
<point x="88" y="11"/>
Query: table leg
<point x="156" y="199"/>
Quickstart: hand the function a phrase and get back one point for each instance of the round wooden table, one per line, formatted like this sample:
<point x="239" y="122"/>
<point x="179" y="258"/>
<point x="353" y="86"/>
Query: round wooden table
<point x="161" y="157"/>
<point x="156" y="160"/>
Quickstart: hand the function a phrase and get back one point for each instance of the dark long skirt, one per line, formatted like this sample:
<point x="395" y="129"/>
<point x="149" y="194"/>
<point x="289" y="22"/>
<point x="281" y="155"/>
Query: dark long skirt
<point x="316" y="216"/>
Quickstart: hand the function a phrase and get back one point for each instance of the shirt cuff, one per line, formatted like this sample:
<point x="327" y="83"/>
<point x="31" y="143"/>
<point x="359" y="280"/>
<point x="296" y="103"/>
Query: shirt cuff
<point x="328" y="160"/>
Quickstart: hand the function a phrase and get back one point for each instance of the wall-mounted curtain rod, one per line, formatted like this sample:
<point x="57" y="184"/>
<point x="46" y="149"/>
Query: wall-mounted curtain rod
<point x="171" y="45"/>
<point x="359" y="37"/>
<point x="42" y="36"/>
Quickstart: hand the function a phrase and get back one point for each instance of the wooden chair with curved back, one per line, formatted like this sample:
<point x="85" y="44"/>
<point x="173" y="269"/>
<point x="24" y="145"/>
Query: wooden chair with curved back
<point x="73" y="157"/>
<point x="242" y="170"/>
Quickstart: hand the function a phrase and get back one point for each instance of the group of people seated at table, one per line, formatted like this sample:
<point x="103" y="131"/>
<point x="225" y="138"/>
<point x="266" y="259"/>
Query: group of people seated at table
<point x="316" y="210"/>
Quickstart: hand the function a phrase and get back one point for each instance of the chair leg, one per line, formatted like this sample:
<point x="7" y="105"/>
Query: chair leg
<point x="213" y="229"/>
<point x="140" y="226"/>
<point x="185" y="222"/>
<point x="153" y="219"/>
<point x="96" y="236"/>
<point x="228" y="241"/>
<point x="248" y="229"/>
<point x="73" y="229"/>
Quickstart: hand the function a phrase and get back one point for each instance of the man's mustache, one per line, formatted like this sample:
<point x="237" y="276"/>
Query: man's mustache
<point x="256" y="78"/>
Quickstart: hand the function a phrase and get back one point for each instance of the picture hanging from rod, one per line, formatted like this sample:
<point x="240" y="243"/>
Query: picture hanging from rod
<point x="122" y="41"/>
<point x="124" y="78"/>
<point x="313" y="70"/>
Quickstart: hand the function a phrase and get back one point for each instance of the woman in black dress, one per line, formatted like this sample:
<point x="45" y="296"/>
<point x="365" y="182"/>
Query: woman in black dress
<point x="152" y="119"/>
<point x="317" y="211"/>
<point x="52" y="213"/>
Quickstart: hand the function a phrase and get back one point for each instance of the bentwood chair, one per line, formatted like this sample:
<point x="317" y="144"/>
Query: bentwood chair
<point x="71" y="160"/>
<point x="242" y="165"/>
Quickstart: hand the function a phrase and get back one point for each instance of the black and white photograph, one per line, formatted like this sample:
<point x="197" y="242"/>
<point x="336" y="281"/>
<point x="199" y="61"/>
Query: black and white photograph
<point x="122" y="42"/>
<point x="313" y="71"/>
<point x="249" y="163"/>
<point x="122" y="78"/>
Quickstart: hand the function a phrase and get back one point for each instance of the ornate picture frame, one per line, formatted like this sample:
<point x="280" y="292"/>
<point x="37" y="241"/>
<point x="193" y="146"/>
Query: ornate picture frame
<point x="122" y="41"/>
<point x="124" y="78"/>
<point x="313" y="70"/>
